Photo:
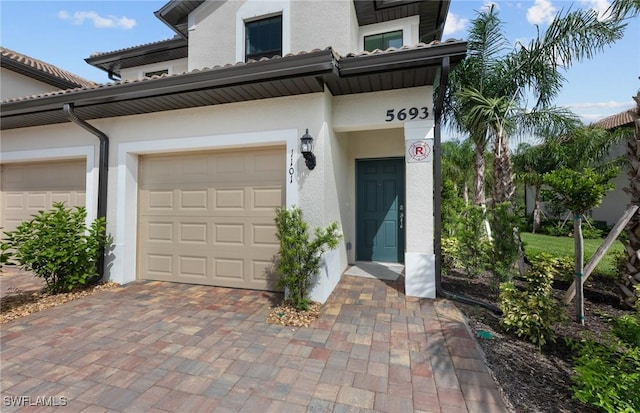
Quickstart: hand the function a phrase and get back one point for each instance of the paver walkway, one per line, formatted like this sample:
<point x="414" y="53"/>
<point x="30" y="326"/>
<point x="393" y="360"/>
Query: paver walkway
<point x="158" y="347"/>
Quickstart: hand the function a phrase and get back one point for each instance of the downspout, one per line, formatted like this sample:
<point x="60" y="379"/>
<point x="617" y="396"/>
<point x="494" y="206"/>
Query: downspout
<point x="437" y="208"/>
<point x="103" y="170"/>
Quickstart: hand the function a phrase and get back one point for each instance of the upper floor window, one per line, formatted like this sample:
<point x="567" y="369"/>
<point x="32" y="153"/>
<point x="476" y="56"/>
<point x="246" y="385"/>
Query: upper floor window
<point x="263" y="38"/>
<point x="383" y="41"/>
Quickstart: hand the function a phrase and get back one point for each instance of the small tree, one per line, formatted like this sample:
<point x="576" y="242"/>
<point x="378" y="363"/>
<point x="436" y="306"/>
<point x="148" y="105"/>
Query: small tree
<point x="299" y="258"/>
<point x="57" y="246"/>
<point x="579" y="192"/>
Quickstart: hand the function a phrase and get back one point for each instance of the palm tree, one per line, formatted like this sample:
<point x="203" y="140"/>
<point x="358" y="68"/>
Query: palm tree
<point x="531" y="163"/>
<point x="632" y="246"/>
<point x="457" y="164"/>
<point x="487" y="94"/>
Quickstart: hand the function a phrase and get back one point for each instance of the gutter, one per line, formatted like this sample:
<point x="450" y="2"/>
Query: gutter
<point x="103" y="170"/>
<point x="437" y="209"/>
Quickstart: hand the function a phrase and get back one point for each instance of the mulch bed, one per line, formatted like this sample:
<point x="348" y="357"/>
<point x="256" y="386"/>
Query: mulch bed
<point x="20" y="303"/>
<point x="533" y="379"/>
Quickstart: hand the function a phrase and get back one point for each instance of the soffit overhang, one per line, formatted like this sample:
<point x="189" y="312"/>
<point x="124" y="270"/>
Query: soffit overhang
<point x="291" y="75"/>
<point x="158" y="52"/>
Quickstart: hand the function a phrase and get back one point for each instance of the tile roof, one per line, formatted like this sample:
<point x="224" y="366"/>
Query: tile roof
<point x="358" y="55"/>
<point x="55" y="75"/>
<point x="131" y="48"/>
<point x="625" y="118"/>
<point x="293" y="74"/>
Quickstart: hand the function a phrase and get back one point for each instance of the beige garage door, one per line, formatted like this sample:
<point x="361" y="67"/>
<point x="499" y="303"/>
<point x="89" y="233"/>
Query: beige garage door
<point x="27" y="188"/>
<point x="207" y="218"/>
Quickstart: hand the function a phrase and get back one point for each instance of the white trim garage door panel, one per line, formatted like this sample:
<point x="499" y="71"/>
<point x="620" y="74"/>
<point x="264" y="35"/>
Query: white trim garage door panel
<point x="26" y="188"/>
<point x="208" y="218"/>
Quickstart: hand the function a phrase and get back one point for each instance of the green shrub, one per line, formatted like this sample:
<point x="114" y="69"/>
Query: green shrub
<point x="298" y="260"/>
<point x="474" y="245"/>
<point x="531" y="312"/>
<point x="452" y="206"/>
<point x="590" y="229"/>
<point x="58" y="247"/>
<point x="627" y="329"/>
<point x="450" y="254"/>
<point x="5" y="256"/>
<point x="506" y="245"/>
<point x="562" y="268"/>
<point x="607" y="373"/>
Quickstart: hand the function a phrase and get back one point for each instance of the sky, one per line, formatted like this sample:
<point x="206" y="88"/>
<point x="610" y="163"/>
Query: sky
<point x="64" y="33"/>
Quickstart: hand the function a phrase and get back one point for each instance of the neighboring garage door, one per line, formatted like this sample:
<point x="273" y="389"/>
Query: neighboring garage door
<point x="208" y="218"/>
<point x="26" y="188"/>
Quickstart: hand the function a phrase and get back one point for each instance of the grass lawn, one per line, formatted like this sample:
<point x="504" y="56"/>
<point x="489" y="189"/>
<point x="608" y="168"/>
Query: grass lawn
<point x="563" y="246"/>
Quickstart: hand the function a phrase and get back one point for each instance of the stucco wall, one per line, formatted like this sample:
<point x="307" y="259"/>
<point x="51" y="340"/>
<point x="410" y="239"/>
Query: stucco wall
<point x="212" y="34"/>
<point x="14" y="84"/>
<point x="325" y="194"/>
<point x="216" y="31"/>
<point x="320" y="24"/>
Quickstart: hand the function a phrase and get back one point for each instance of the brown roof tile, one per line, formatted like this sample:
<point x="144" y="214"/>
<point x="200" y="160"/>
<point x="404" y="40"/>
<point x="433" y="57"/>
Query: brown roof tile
<point x="46" y="69"/>
<point x="625" y="118"/>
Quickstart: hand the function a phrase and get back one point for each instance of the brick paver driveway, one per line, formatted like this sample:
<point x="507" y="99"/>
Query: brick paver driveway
<point x="157" y="347"/>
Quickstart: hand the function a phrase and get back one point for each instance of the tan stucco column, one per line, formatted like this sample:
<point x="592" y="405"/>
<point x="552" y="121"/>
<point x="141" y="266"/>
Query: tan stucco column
<point x="419" y="258"/>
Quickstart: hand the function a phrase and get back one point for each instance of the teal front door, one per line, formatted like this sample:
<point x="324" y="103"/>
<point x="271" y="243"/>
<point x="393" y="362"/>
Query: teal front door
<point x="380" y="210"/>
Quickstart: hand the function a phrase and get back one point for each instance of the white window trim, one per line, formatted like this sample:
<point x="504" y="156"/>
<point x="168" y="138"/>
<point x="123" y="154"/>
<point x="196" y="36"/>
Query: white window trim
<point x="86" y="152"/>
<point x="125" y="261"/>
<point x="408" y="25"/>
<point x="253" y="10"/>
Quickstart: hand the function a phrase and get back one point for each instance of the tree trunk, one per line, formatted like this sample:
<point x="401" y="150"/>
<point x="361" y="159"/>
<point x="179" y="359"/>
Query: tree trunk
<point x="465" y="193"/>
<point x="479" y="175"/>
<point x="579" y="262"/>
<point x="503" y="178"/>
<point x="632" y="246"/>
<point x="537" y="211"/>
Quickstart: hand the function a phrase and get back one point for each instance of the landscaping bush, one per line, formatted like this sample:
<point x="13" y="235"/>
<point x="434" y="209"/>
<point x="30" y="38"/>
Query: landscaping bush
<point x="58" y="247"/>
<point x="474" y="245"/>
<point x="531" y="312"/>
<point x="298" y="260"/>
<point x="450" y="254"/>
<point x="4" y="254"/>
<point x="452" y="206"/>
<point x="607" y="373"/>
<point x="506" y="245"/>
<point x="562" y="267"/>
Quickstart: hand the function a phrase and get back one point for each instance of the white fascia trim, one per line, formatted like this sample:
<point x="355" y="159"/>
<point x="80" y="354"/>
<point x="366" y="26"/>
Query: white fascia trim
<point x="124" y="265"/>
<point x="253" y="10"/>
<point x="59" y="154"/>
<point x="409" y="36"/>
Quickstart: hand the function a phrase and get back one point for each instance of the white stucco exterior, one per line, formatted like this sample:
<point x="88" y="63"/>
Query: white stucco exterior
<point x="14" y="84"/>
<point x="349" y="128"/>
<point x="326" y="194"/>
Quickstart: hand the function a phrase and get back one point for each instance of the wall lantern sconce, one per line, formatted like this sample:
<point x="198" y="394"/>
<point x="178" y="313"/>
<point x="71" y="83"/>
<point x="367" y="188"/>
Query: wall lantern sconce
<point x="306" y="147"/>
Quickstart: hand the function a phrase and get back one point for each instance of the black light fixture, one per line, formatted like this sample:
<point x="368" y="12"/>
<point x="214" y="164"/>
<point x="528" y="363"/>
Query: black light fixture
<point x="306" y="147"/>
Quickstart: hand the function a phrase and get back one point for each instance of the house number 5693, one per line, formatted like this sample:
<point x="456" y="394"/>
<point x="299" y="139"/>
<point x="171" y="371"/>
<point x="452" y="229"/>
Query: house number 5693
<point x="407" y="113"/>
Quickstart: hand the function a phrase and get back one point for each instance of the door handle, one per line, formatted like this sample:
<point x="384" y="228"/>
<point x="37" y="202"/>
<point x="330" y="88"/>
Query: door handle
<point x="401" y="220"/>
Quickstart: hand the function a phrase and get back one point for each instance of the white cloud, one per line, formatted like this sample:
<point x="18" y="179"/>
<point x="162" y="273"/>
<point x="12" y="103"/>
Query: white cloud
<point x="611" y="104"/>
<point x="600" y="6"/>
<point x="542" y="11"/>
<point x="99" y="22"/>
<point x="454" y="24"/>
